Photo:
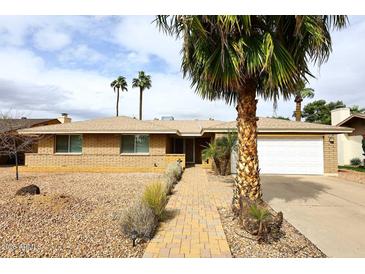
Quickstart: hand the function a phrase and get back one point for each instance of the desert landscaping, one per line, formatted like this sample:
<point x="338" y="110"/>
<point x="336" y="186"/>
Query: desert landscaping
<point x="76" y="215"/>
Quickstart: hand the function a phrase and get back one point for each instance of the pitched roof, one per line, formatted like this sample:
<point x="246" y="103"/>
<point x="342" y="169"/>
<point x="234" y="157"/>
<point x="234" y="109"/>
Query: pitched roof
<point x="352" y="116"/>
<point x="280" y="125"/>
<point x="187" y="127"/>
<point x="120" y="124"/>
<point x="15" y="124"/>
<point x="124" y="124"/>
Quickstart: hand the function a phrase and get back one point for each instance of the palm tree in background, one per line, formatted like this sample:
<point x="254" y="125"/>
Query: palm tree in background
<point x="236" y="58"/>
<point x="119" y="84"/>
<point x="301" y="93"/>
<point x="143" y="82"/>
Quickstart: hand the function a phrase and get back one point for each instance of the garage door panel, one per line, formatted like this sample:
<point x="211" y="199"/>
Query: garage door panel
<point x="289" y="156"/>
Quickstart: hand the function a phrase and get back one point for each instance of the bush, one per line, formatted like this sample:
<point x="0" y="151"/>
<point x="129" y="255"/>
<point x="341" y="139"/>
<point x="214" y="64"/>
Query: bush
<point x="169" y="184"/>
<point x="139" y="221"/>
<point x="156" y="198"/>
<point x="174" y="170"/>
<point x="355" y="161"/>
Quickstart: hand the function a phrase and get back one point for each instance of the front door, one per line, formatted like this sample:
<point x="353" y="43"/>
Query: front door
<point x="189" y="150"/>
<point x="185" y="146"/>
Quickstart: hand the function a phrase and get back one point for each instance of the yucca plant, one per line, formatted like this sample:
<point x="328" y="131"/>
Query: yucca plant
<point x="156" y="198"/>
<point x="226" y="144"/>
<point x="212" y="151"/>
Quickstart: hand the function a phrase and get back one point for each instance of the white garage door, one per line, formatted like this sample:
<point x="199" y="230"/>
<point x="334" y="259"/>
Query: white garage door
<point x="289" y="156"/>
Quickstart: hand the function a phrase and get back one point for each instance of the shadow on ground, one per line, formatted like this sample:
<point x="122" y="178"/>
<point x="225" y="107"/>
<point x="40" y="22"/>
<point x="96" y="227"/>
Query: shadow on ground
<point x="291" y="188"/>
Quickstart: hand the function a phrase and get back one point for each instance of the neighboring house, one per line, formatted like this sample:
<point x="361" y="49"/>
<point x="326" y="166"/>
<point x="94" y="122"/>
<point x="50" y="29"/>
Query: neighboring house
<point x="127" y="144"/>
<point x="349" y="144"/>
<point x="22" y="123"/>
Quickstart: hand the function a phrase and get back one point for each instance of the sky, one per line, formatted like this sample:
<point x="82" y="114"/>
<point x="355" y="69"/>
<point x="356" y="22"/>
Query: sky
<point x="55" y="64"/>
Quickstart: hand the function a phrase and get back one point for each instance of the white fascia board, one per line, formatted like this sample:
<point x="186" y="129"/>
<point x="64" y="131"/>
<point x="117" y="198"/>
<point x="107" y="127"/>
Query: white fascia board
<point x="98" y="132"/>
<point x="335" y="131"/>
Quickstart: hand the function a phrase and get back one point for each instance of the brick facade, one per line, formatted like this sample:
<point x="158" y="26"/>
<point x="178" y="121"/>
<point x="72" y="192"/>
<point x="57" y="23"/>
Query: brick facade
<point x="103" y="151"/>
<point x="330" y="154"/>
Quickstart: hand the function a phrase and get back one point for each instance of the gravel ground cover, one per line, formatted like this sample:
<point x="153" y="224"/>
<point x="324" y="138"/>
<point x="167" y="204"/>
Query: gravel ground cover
<point x="354" y="176"/>
<point x="243" y="245"/>
<point x="76" y="215"/>
<point x="292" y="244"/>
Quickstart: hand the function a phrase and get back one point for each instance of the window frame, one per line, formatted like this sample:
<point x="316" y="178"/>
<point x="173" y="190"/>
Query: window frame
<point x="68" y="144"/>
<point x="134" y="145"/>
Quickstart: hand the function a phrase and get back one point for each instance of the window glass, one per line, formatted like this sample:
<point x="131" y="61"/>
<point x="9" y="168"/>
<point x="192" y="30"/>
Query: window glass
<point x="127" y="143"/>
<point x="62" y="143"/>
<point x="75" y="143"/>
<point x="135" y="144"/>
<point x="142" y="143"/>
<point x="68" y="143"/>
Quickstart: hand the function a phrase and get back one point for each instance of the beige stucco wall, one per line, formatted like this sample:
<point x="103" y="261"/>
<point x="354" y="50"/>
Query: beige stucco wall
<point x="349" y="147"/>
<point x="103" y="150"/>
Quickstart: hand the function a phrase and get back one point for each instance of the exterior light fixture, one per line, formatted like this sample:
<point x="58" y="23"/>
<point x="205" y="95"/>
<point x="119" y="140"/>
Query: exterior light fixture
<point x="332" y="139"/>
<point x="134" y="237"/>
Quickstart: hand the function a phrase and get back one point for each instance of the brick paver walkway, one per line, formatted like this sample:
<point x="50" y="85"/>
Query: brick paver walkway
<point x="194" y="229"/>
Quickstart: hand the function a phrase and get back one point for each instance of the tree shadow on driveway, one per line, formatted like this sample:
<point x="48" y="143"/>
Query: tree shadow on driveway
<point x="291" y="188"/>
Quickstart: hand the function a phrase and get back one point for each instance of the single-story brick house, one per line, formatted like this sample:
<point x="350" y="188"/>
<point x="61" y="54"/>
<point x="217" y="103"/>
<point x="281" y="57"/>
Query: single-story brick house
<point x="127" y="144"/>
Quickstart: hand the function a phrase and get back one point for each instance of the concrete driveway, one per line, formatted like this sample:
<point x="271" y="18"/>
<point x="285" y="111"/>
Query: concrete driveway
<point x="327" y="210"/>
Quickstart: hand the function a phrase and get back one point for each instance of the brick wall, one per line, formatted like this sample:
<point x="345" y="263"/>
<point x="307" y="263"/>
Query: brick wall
<point x="103" y="150"/>
<point x="330" y="154"/>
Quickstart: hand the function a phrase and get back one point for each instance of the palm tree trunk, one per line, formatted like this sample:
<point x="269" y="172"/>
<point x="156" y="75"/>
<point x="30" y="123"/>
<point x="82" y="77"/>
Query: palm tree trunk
<point x="247" y="183"/>
<point x="140" y="103"/>
<point x="298" y="111"/>
<point x="117" y="107"/>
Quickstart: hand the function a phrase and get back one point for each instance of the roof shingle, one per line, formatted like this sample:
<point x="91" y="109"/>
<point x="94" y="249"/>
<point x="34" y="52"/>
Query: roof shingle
<point x="124" y="124"/>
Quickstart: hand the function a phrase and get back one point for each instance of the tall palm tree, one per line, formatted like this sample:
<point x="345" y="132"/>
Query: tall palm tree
<point x="119" y="84"/>
<point x="301" y="93"/>
<point x="236" y="58"/>
<point x="143" y="82"/>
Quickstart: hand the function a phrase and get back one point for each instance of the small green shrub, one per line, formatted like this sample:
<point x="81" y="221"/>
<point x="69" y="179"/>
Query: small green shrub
<point x="355" y="161"/>
<point x="156" y="198"/>
<point x="259" y="213"/>
<point x="139" y="221"/>
<point x="262" y="217"/>
<point x="169" y="184"/>
<point x="174" y="170"/>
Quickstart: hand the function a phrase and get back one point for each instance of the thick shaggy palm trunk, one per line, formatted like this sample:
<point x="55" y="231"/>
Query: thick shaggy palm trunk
<point x="140" y="103"/>
<point x="247" y="183"/>
<point x="298" y="111"/>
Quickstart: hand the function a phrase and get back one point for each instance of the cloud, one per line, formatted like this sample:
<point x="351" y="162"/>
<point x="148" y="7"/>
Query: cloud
<point x="80" y="53"/>
<point x="139" y="34"/>
<point x="50" y="39"/>
<point x="29" y="85"/>
<point x="342" y="77"/>
<point x="76" y="78"/>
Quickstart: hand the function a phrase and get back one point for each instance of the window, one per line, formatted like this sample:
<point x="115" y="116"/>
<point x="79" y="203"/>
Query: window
<point x="68" y="144"/>
<point x="135" y="144"/>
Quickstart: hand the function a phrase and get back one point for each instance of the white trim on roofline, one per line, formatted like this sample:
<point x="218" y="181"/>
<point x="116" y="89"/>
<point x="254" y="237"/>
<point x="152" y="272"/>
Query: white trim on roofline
<point x="285" y="130"/>
<point x="99" y="132"/>
<point x="344" y="130"/>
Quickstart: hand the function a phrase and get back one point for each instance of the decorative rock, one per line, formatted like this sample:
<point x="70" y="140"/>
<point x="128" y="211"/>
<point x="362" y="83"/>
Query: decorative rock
<point x="28" y="190"/>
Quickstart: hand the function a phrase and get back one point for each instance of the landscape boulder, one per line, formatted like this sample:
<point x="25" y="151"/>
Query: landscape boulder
<point x="28" y="190"/>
